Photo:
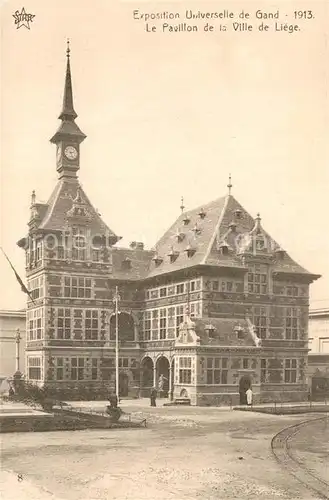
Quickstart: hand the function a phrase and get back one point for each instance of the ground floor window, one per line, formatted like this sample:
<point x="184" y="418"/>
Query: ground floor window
<point x="59" y="364"/>
<point x="77" y="368"/>
<point x="217" y="371"/>
<point x="263" y="370"/>
<point x="290" y="371"/>
<point x="185" y="370"/>
<point x="34" y="368"/>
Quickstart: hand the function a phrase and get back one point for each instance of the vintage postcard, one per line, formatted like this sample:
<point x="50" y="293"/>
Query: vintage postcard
<point x="164" y="309"/>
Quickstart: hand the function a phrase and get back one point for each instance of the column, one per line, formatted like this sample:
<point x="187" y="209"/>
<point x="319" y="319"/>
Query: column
<point x="170" y="392"/>
<point x="154" y="375"/>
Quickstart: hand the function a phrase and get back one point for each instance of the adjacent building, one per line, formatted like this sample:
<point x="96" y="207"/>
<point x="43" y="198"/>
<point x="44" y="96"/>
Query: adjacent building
<point x="318" y="359"/>
<point x="12" y="324"/>
<point x="217" y="305"/>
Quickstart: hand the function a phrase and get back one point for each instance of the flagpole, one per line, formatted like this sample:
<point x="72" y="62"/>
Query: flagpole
<point x="117" y="342"/>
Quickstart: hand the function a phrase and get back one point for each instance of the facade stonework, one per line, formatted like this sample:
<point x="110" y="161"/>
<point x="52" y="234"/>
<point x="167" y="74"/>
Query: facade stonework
<point x="217" y="306"/>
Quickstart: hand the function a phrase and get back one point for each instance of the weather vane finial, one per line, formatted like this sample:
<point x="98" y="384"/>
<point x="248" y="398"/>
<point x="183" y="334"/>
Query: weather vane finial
<point x="68" y="48"/>
<point x="229" y="185"/>
<point x="182" y="204"/>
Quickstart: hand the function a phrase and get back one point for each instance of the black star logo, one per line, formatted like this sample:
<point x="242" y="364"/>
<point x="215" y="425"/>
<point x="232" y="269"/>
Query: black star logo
<point x="23" y="19"/>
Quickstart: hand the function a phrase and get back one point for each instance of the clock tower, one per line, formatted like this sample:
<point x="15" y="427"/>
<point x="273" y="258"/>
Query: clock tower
<point x="68" y="137"/>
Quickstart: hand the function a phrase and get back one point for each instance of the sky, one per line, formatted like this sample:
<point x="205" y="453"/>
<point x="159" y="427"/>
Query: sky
<point x="169" y="115"/>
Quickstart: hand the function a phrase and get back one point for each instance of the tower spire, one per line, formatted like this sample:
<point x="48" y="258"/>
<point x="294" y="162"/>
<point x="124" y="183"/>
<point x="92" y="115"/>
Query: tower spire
<point x="68" y="112"/>
<point x="68" y="130"/>
<point x="229" y="185"/>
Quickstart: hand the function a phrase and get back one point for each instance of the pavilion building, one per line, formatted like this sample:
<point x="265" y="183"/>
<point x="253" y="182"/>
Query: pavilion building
<point x="216" y="307"/>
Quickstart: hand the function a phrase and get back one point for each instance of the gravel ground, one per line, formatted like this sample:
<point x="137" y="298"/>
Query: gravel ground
<point x="311" y="448"/>
<point x="185" y="453"/>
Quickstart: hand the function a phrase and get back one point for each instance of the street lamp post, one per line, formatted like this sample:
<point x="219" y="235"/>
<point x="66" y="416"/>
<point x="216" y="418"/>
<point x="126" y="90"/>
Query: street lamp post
<point x="18" y="339"/>
<point x="116" y="301"/>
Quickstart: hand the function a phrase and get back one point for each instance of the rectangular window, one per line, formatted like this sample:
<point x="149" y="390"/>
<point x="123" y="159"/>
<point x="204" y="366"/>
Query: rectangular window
<point x="217" y="371"/>
<point x="258" y="280"/>
<point x="59" y="363"/>
<point x="34" y="368"/>
<point x="291" y="323"/>
<point x="147" y="325"/>
<point x="36" y="288"/>
<point x="185" y="370"/>
<point x="35" y="324"/>
<point x="163" y="292"/>
<point x="179" y="317"/>
<point x="290" y="371"/>
<point x="163" y="323"/>
<point x="195" y="309"/>
<point x="64" y="323"/>
<point x="155" y="324"/>
<point x="215" y="286"/>
<point x="260" y="321"/>
<point x="92" y="324"/>
<point x="245" y="363"/>
<point x="292" y="291"/>
<point x="77" y="368"/>
<point x="94" y="369"/>
<point x="95" y="255"/>
<point x="180" y="288"/>
<point x="263" y="370"/>
<point x="77" y="287"/>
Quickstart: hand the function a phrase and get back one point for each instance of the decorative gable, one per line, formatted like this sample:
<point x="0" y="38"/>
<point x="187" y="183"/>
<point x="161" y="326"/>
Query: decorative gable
<point x="187" y="335"/>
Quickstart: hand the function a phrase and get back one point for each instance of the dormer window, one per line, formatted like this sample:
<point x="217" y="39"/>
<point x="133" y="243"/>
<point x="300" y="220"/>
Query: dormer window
<point x="190" y="251"/>
<point x="210" y="330"/>
<point x="186" y="220"/>
<point x="196" y="230"/>
<point x="173" y="254"/>
<point x="202" y="214"/>
<point x="232" y="226"/>
<point x="260" y="243"/>
<point x="157" y="260"/>
<point x="180" y="236"/>
<point x="280" y="253"/>
<point x="238" y="213"/>
<point x="223" y="248"/>
<point x="239" y="331"/>
<point x="126" y="263"/>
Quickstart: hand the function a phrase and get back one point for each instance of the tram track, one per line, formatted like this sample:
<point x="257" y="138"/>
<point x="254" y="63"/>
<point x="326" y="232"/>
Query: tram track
<point x="282" y="450"/>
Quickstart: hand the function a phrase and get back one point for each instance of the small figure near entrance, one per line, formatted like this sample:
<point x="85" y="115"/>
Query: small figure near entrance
<point x="249" y="396"/>
<point x="161" y="385"/>
<point x="11" y="392"/>
<point x="153" y="396"/>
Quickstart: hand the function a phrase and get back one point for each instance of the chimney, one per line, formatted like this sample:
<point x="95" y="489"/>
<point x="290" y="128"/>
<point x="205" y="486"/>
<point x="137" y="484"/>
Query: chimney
<point x="137" y="245"/>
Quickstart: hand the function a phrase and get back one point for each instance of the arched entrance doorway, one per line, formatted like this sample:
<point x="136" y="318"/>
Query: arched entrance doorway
<point x="126" y="328"/>
<point x="244" y="385"/>
<point x="146" y="375"/>
<point x="162" y="371"/>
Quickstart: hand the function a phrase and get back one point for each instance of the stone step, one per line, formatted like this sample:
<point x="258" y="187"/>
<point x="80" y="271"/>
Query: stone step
<point x="182" y="401"/>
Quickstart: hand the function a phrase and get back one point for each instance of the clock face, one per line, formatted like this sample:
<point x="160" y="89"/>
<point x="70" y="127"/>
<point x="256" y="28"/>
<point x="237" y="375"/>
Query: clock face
<point x="71" y="153"/>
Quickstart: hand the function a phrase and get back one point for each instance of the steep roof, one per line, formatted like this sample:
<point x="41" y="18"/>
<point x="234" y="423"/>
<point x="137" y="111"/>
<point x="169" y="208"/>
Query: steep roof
<point x="67" y="194"/>
<point x="196" y="232"/>
<point x="197" y="236"/>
